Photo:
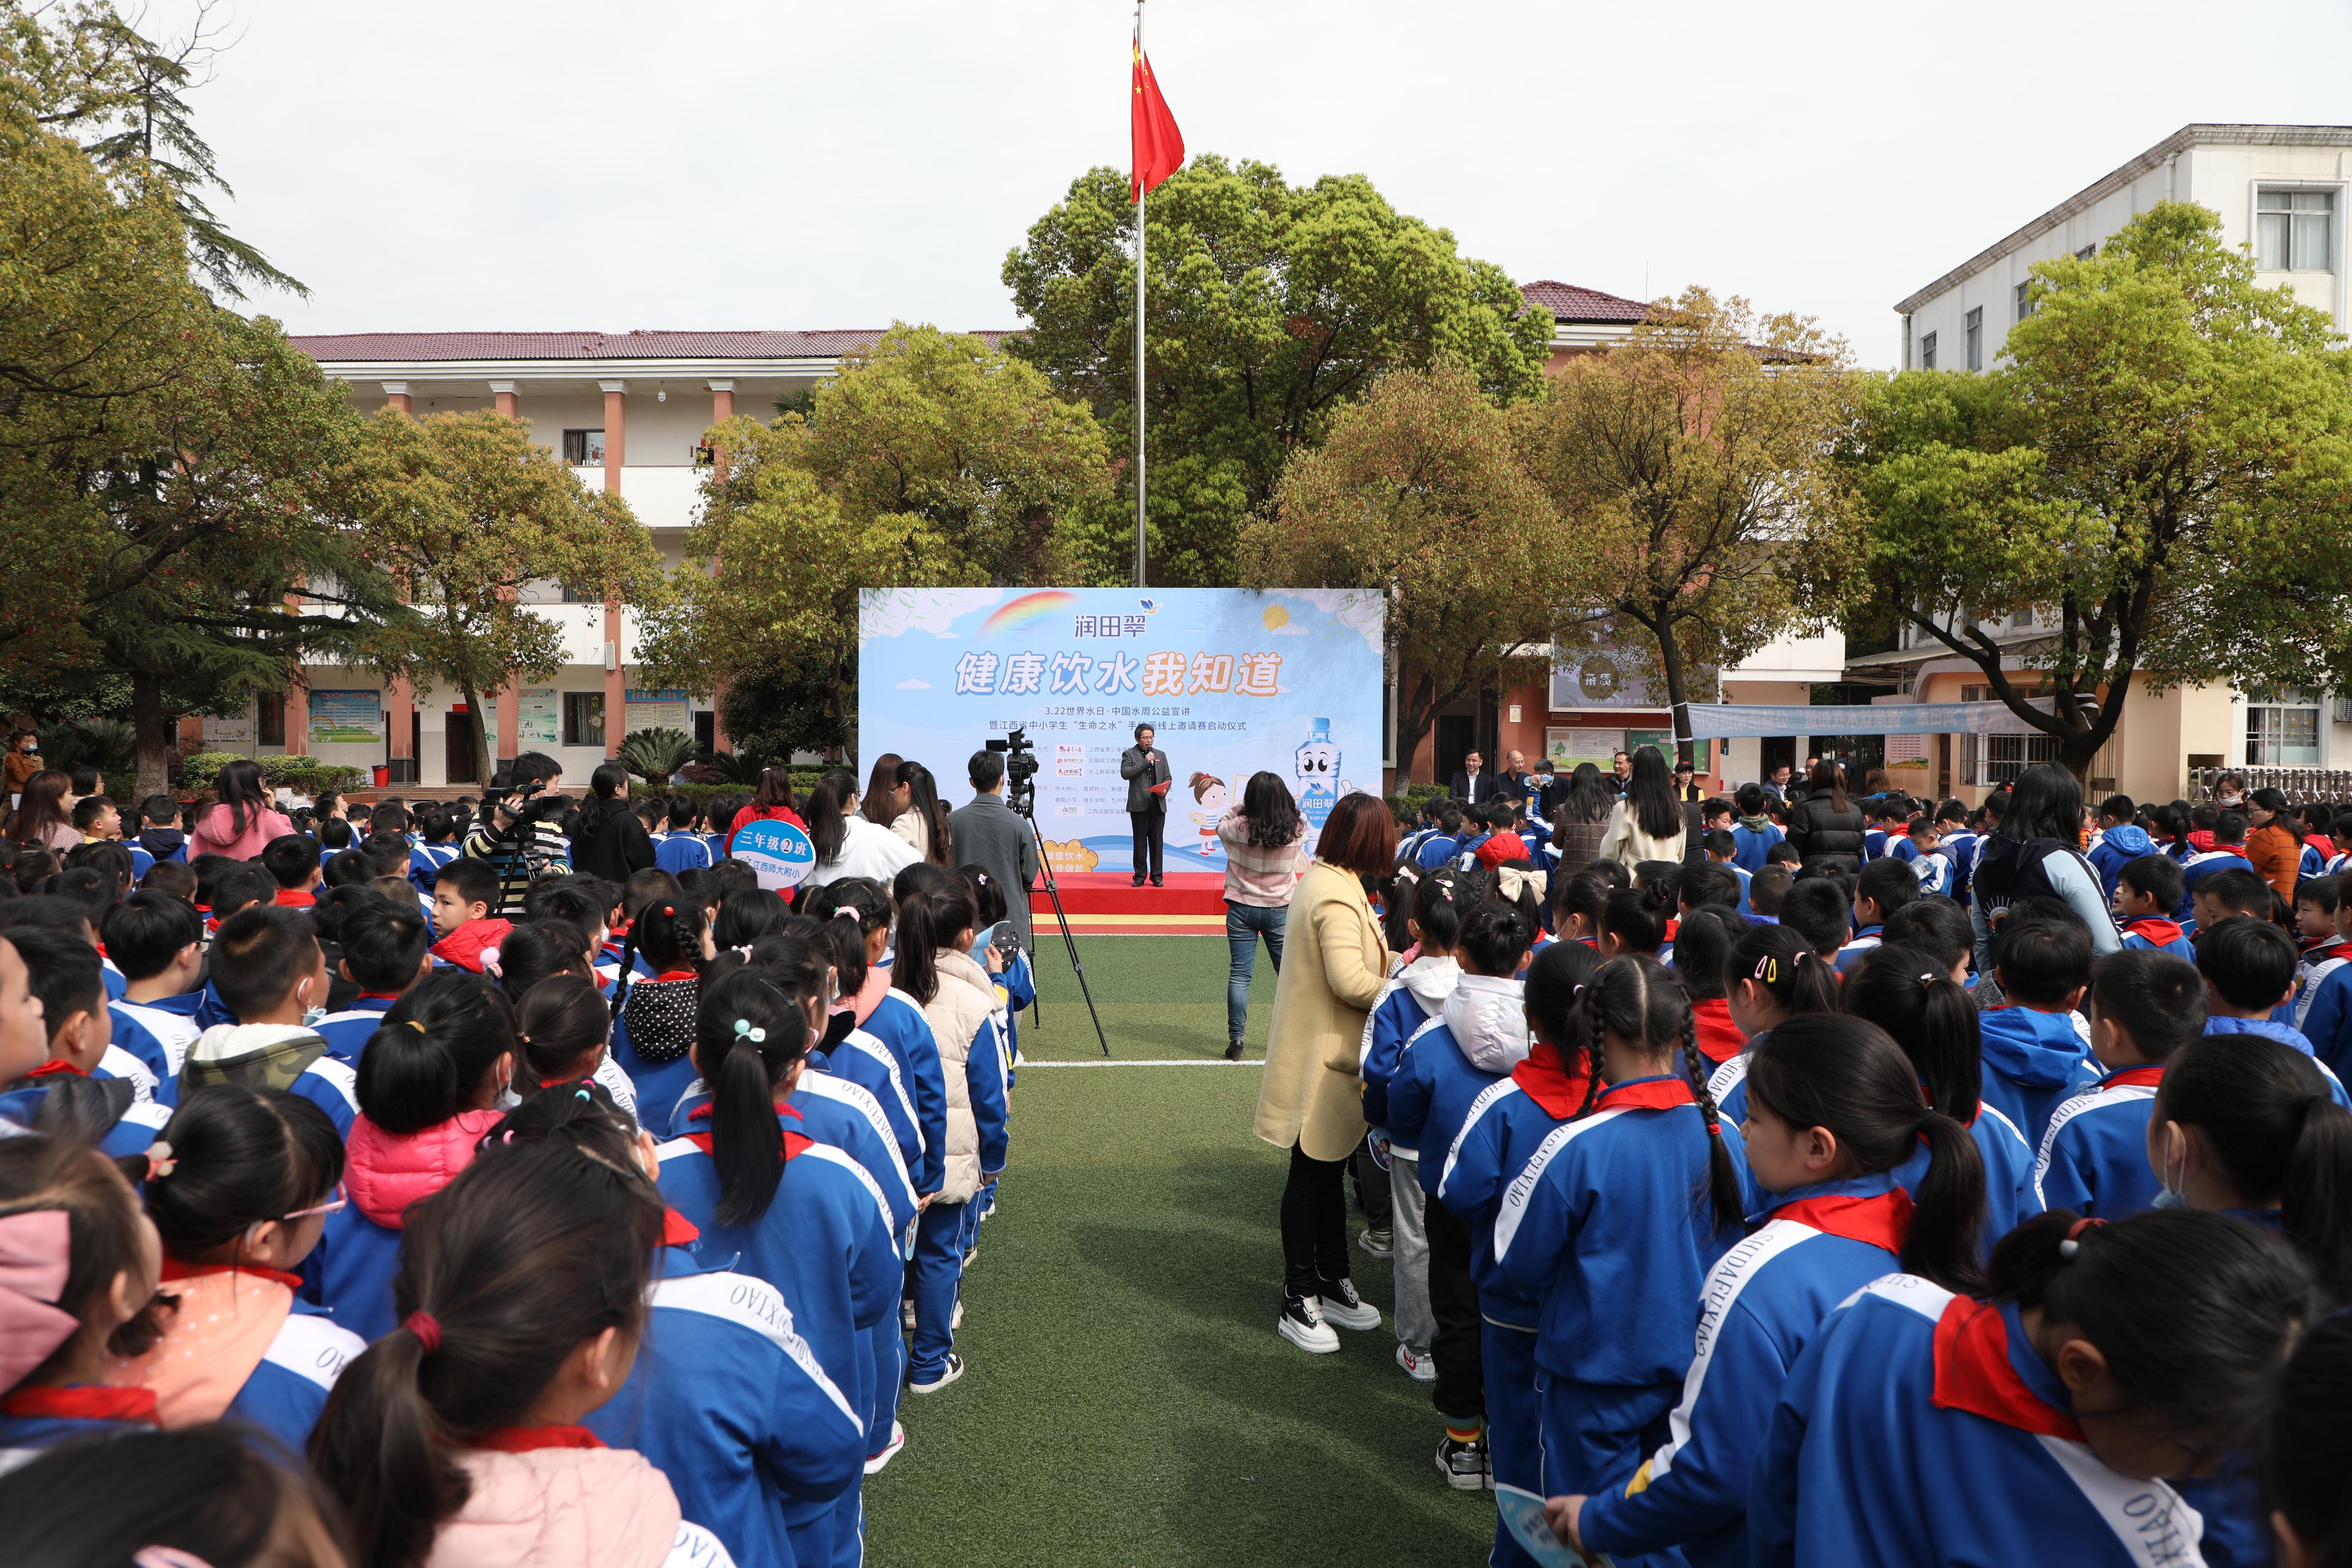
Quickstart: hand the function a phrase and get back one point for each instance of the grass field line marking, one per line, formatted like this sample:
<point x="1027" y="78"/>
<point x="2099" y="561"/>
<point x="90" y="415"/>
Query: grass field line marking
<point x="1162" y="1062"/>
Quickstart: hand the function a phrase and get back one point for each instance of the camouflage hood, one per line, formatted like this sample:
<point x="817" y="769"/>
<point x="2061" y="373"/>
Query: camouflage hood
<point x="258" y="1056"/>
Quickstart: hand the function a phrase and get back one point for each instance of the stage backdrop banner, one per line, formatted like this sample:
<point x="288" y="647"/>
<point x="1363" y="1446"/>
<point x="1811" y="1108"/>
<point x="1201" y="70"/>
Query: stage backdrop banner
<point x="1231" y="680"/>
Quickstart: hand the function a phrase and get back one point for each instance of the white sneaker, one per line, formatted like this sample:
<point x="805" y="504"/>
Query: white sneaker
<point x="948" y="1373"/>
<point x="906" y="1314"/>
<point x="1419" y="1367"/>
<point x="1302" y="1325"/>
<point x="1342" y="1306"/>
<point x="889" y="1450"/>
<point x="955" y="1319"/>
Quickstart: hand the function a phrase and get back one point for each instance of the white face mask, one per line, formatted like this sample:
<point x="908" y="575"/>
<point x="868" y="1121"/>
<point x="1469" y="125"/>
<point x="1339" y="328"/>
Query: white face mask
<point x="2171" y="1198"/>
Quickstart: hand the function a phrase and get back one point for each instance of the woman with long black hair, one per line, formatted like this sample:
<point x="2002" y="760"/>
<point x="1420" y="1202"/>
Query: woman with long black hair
<point x="919" y="817"/>
<point x="1826" y="828"/>
<point x="1648" y="823"/>
<point x="1264" y="842"/>
<point x="846" y="844"/>
<point x="2037" y="852"/>
<point x="607" y="839"/>
<point x="1583" y="819"/>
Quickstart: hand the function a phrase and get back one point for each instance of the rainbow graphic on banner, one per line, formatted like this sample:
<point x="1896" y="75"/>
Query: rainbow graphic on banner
<point x="1026" y="608"/>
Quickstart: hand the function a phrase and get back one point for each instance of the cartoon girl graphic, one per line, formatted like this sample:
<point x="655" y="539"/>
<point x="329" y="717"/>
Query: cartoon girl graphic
<point x="1209" y="793"/>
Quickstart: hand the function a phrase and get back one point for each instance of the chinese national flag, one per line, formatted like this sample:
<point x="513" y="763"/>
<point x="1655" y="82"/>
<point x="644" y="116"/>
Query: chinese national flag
<point x="1159" y="145"/>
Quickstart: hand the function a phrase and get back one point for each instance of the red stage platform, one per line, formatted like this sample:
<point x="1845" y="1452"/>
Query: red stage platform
<point x="1108" y="903"/>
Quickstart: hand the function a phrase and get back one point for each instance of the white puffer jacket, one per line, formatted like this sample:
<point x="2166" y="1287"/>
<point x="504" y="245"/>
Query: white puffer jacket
<point x="956" y="1015"/>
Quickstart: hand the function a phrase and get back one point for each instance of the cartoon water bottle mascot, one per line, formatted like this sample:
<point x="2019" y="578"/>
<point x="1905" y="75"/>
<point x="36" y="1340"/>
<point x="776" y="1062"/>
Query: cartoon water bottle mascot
<point x="1315" y="766"/>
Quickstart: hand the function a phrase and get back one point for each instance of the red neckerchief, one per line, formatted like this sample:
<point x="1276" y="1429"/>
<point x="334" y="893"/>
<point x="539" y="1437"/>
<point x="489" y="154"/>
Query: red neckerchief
<point x="52" y="1069"/>
<point x="175" y="1269"/>
<point x="1546" y="1080"/>
<point x="2155" y="929"/>
<point x="2152" y="1074"/>
<point x="523" y="1439"/>
<point x="1647" y="1094"/>
<point x="1719" y="1038"/>
<point x="702" y="1112"/>
<point x="294" y="898"/>
<point x="794" y="1143"/>
<point x="1673" y="926"/>
<point x="678" y="1230"/>
<point x="378" y="997"/>
<point x="1882" y="1221"/>
<point x="1973" y="1372"/>
<point x="2323" y="950"/>
<point x="103" y="954"/>
<point x="676" y="974"/>
<point x="82" y="1402"/>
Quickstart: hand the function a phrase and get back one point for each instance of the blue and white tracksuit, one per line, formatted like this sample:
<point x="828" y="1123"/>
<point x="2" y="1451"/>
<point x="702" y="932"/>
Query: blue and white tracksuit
<point x="729" y="1401"/>
<point x="1604" y="1226"/>
<point x="826" y="1243"/>
<point x="899" y="1023"/>
<point x="2034" y="1062"/>
<point x="2293" y="1038"/>
<point x="1862" y="1465"/>
<point x="1763" y="1302"/>
<point x="348" y="1032"/>
<point x="2093" y="1157"/>
<point x="160" y="1032"/>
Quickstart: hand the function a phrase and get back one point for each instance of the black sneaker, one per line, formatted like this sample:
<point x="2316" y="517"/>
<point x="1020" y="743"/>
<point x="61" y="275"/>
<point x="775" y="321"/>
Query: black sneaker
<point x="1233" y="1050"/>
<point x="1464" y="1465"/>
<point x="1342" y="1306"/>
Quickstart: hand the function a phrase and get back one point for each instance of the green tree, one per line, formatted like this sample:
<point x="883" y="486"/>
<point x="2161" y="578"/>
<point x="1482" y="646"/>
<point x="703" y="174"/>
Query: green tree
<point x="931" y="460"/>
<point x="2162" y="468"/>
<point x="1693" y="462"/>
<point x="1417" y="491"/>
<point x="1269" y="307"/>
<point x="467" y="512"/>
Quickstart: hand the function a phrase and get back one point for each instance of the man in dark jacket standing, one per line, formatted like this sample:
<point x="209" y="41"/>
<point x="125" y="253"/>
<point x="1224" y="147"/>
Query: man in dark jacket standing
<point x="991" y="835"/>
<point x="1145" y="769"/>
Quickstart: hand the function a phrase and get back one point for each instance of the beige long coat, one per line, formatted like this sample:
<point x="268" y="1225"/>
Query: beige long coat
<point x="1334" y="960"/>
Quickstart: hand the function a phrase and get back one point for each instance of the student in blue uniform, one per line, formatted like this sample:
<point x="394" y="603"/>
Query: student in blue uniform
<point x="440" y="847"/>
<point x="2148" y="890"/>
<point x="2147" y="1006"/>
<point x="1833" y="1113"/>
<point x="680" y="850"/>
<point x="854" y="1055"/>
<point x="385" y="951"/>
<point x="2034" y="1058"/>
<point x="64" y="1206"/>
<point x="2249" y="970"/>
<point x="1885" y="886"/>
<point x="158" y="942"/>
<point x="894" y="1018"/>
<point x="1472" y="1046"/>
<point x="802" y="1215"/>
<point x="1634" y="921"/>
<point x="1908" y="993"/>
<point x="524" y="1295"/>
<point x="672" y="936"/>
<point x="1615" y="1223"/>
<point x="430" y="1081"/>
<point x="1922" y="1427"/>
<point x="726" y="1398"/>
<point x="1771" y="976"/>
<point x="271" y="975"/>
<point x="240" y="1203"/>
<point x="102" y="1094"/>
<point x="2247" y="1127"/>
<point x="1506" y="1124"/>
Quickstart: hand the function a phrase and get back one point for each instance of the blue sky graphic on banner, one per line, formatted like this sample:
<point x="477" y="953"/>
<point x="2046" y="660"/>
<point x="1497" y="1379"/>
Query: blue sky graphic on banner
<point x="1232" y="681"/>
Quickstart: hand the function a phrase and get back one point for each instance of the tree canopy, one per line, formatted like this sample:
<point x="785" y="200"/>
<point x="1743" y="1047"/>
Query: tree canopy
<point x="931" y="460"/>
<point x="1269" y="306"/>
<point x="1417" y="491"/>
<point x="466" y="513"/>
<point x="2161" y="467"/>
<point x="1693" y="464"/>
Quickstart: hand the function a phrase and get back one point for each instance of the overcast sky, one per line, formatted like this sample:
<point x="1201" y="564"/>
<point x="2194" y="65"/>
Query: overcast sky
<point x="504" y="165"/>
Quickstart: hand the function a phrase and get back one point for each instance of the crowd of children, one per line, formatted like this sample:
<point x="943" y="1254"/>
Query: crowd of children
<point x="504" y="1213"/>
<point x="1740" y="1214"/>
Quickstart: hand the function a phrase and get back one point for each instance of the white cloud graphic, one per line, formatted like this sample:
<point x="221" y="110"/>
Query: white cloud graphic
<point x="914" y="686"/>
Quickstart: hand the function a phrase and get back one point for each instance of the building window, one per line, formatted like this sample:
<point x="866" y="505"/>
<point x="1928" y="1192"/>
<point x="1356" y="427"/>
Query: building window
<point x="1973" y="335"/>
<point x="2087" y="252"/>
<point x="1927" y="352"/>
<point x="584" y="718"/>
<point x="2283" y="731"/>
<point x="2291" y="231"/>
<point x="583" y="448"/>
<point x="2024" y="300"/>
<point x="1989" y="761"/>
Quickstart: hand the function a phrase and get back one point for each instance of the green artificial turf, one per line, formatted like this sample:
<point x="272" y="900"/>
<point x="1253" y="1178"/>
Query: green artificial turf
<point x="1128" y="1402"/>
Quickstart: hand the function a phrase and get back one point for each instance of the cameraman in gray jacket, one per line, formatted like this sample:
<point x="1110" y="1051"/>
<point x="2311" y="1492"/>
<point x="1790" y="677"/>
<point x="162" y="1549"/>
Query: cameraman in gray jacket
<point x="1145" y="769"/>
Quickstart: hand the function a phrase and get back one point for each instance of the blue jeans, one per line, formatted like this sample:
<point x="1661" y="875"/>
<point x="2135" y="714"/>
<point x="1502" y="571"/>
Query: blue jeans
<point x="1245" y="923"/>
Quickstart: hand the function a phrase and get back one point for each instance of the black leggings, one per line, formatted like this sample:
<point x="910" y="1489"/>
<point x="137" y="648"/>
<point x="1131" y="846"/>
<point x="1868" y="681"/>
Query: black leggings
<point x="1313" y="1223"/>
<point x="1461" y="1390"/>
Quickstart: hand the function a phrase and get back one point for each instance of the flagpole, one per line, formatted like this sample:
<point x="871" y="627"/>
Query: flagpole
<point x="1140" y="196"/>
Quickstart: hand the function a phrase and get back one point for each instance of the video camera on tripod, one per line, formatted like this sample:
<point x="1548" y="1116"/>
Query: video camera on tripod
<point x="1020" y="772"/>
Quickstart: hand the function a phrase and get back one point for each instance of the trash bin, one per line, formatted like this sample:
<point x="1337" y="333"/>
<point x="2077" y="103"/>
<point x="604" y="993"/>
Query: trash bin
<point x="382" y="774"/>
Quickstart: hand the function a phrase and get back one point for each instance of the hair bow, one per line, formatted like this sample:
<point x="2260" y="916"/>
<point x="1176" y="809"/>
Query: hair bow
<point x="743" y="1028"/>
<point x="161" y="1163"/>
<point x="36" y="1257"/>
<point x="1509" y="880"/>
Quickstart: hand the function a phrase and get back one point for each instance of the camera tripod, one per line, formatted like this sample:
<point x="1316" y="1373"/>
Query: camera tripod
<point x="1062" y="918"/>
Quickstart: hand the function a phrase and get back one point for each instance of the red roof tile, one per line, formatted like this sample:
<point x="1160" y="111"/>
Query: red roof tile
<point x="1570" y="302"/>
<point x="425" y="347"/>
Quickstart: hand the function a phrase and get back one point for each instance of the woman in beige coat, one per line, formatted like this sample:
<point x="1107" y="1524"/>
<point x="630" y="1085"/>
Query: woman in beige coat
<point x="1648" y="823"/>
<point x="1310" y="1101"/>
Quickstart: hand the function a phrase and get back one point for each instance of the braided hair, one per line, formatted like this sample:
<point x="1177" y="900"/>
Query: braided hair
<point x="1636" y="998"/>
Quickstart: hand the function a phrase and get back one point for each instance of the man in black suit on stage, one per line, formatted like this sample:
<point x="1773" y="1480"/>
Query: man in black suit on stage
<point x="1471" y="784"/>
<point x="1145" y="768"/>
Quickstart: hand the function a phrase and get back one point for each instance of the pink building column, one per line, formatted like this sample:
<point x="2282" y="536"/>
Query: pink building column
<point x="722" y="408"/>
<point x="397" y="394"/>
<point x="503" y="392"/>
<point x="616" y="677"/>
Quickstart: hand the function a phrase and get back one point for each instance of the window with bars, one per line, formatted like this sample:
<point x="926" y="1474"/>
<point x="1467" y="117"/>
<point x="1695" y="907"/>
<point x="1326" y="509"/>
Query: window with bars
<point x="1989" y="761"/>
<point x="1972" y="334"/>
<point x="2292" y="230"/>
<point x="2282" y="734"/>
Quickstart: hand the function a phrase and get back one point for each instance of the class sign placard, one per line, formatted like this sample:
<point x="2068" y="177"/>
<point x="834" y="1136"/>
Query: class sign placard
<point x="779" y="854"/>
